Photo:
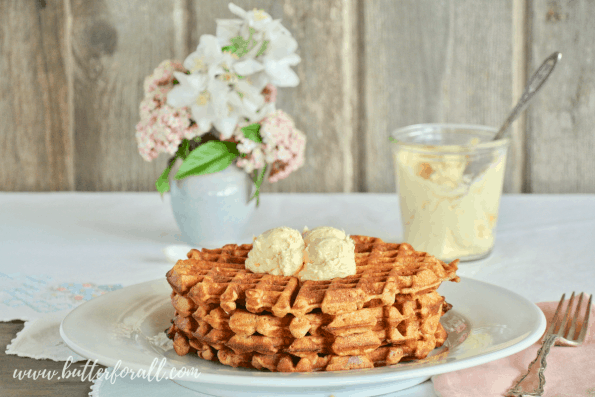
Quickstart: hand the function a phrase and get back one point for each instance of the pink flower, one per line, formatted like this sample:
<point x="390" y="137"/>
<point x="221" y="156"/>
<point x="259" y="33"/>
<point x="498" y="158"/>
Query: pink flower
<point x="283" y="147"/>
<point x="161" y="127"/>
<point x="270" y="93"/>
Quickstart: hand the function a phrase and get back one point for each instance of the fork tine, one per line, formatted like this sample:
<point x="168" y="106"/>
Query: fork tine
<point x="565" y="319"/>
<point x="571" y="331"/>
<point x="552" y="327"/>
<point x="585" y="325"/>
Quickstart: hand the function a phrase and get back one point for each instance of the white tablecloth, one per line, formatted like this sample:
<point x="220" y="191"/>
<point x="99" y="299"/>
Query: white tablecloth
<point x="545" y="245"/>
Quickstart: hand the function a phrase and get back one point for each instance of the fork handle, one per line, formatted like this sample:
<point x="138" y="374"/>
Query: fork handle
<point x="534" y="373"/>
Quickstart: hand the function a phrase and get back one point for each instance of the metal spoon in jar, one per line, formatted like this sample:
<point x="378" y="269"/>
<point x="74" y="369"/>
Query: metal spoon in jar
<point x="476" y="168"/>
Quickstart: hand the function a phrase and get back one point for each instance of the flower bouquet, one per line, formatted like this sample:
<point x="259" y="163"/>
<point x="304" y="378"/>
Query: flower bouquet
<point x="217" y="108"/>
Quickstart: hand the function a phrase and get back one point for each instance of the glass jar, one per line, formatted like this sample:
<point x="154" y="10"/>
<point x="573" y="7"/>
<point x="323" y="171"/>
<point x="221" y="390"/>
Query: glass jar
<point x="449" y="181"/>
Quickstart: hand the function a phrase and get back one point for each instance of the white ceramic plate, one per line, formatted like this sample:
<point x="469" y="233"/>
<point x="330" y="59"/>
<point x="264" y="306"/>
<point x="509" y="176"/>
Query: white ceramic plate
<point x="486" y="323"/>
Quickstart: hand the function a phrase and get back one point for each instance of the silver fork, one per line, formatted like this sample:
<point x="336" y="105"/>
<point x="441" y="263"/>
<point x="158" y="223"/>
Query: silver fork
<point x="561" y="337"/>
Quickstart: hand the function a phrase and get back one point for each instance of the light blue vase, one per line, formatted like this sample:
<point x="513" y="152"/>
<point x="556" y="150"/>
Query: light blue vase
<point x="212" y="210"/>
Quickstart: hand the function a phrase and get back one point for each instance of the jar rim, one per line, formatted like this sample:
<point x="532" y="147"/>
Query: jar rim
<point x="419" y="129"/>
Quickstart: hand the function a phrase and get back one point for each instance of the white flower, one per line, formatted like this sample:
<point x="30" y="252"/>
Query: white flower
<point x="227" y="29"/>
<point x="223" y="88"/>
<point x="188" y="89"/>
<point x="206" y="90"/>
<point x="258" y="80"/>
<point x="248" y="67"/>
<point x="228" y="120"/>
<point x="207" y="57"/>
<point x="252" y="98"/>
<point x="211" y="105"/>
<point x="267" y="46"/>
<point x="207" y="103"/>
<point x="280" y="55"/>
<point x="257" y="19"/>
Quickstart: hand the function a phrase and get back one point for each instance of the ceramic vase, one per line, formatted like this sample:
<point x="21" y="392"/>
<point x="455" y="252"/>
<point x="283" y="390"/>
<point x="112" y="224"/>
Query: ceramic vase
<point x="213" y="209"/>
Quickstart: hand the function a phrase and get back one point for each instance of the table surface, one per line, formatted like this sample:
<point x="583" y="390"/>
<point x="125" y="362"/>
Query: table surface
<point x="544" y="247"/>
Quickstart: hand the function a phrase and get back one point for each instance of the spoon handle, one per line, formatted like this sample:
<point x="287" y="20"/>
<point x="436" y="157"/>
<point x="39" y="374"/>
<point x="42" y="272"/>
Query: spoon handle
<point x="535" y="83"/>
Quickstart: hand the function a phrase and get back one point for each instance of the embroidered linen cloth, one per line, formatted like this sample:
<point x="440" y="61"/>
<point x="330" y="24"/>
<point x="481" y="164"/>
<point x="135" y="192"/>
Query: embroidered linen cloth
<point x="42" y="303"/>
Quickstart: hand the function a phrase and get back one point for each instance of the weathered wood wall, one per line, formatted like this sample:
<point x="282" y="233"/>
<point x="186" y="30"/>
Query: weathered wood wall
<point x="71" y="74"/>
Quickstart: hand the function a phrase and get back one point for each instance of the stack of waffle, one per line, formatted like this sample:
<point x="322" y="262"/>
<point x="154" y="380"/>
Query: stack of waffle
<point x="387" y="312"/>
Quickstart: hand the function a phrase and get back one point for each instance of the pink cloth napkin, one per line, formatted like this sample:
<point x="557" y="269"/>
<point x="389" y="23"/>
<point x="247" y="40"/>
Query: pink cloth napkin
<point x="570" y="370"/>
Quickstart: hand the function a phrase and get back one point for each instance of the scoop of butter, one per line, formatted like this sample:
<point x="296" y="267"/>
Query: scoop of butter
<point x="322" y="232"/>
<point x="278" y="251"/>
<point x="329" y="253"/>
<point x="322" y="253"/>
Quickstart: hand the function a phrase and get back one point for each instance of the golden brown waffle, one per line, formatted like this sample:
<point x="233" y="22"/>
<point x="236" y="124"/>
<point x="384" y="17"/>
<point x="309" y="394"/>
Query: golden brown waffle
<point x="409" y="318"/>
<point x="387" y="312"/>
<point x="307" y="362"/>
<point x="383" y="271"/>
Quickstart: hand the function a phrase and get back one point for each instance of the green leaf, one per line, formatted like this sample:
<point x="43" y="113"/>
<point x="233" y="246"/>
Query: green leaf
<point x="213" y="156"/>
<point x="390" y="138"/>
<point x="263" y="48"/>
<point x="257" y="182"/>
<point x="252" y="132"/>
<point x="239" y="44"/>
<point x="243" y="46"/>
<point x="162" y="183"/>
<point x="230" y="48"/>
<point x="183" y="149"/>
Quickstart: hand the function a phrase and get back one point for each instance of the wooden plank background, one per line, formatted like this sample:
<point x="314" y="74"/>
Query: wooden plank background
<point x="71" y="75"/>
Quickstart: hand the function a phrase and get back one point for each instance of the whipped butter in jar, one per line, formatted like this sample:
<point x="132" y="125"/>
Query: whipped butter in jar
<point x="449" y="180"/>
